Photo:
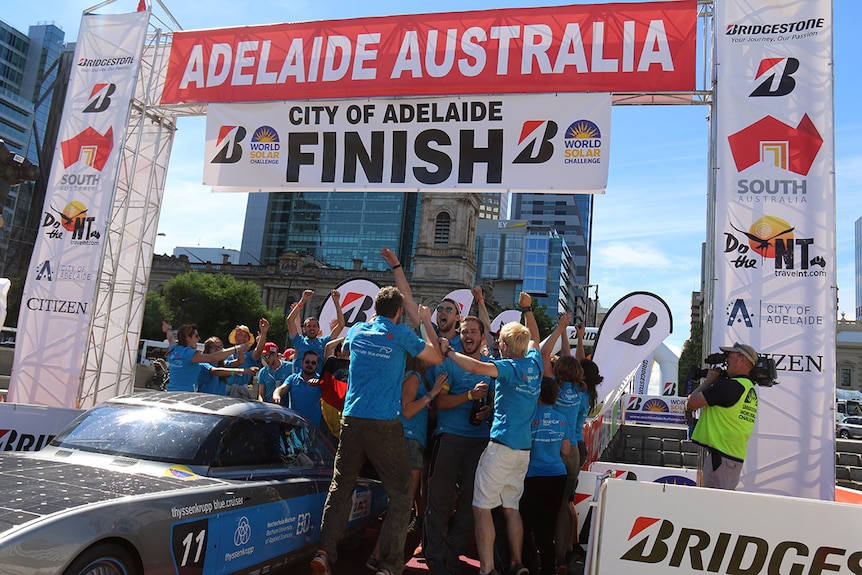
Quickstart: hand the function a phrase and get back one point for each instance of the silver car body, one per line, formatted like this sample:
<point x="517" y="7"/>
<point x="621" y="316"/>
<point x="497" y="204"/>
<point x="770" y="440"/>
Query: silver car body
<point x="248" y="500"/>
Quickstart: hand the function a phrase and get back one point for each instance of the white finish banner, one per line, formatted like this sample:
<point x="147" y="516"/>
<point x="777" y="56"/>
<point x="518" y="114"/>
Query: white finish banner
<point x="56" y="307"/>
<point x="541" y="142"/>
<point x="775" y="230"/>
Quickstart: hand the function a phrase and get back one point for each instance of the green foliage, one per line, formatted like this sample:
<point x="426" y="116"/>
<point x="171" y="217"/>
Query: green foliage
<point x="545" y="321"/>
<point x="216" y="303"/>
<point x="692" y="355"/>
<point x="155" y="311"/>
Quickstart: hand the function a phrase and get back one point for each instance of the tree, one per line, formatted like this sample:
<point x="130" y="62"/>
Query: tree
<point x="215" y="302"/>
<point x="155" y="311"/>
<point x="691" y="356"/>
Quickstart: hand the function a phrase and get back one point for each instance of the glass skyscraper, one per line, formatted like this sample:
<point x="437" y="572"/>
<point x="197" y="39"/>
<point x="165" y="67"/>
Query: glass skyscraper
<point x="340" y="229"/>
<point x="30" y="71"/>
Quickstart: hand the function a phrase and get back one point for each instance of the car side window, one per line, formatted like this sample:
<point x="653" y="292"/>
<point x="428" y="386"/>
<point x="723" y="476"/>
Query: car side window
<point x="250" y="443"/>
<point x="300" y="446"/>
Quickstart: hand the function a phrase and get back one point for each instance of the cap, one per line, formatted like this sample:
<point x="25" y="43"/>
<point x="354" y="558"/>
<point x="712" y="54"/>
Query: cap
<point x="270" y="347"/>
<point x="289" y="353"/>
<point x="232" y="337"/>
<point x="746" y="350"/>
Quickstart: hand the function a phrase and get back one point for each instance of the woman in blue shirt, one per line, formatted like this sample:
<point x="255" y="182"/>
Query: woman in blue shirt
<point x="546" y="480"/>
<point x="183" y="356"/>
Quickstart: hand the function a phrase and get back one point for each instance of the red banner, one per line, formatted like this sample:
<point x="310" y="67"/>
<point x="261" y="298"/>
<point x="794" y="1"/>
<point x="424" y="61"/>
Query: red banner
<point x="618" y="47"/>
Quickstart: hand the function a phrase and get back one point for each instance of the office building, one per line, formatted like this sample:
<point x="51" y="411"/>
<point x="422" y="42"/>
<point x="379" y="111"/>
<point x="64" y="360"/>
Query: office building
<point x="515" y="256"/>
<point x="340" y="229"/>
<point x="570" y="215"/>
<point x="34" y="72"/>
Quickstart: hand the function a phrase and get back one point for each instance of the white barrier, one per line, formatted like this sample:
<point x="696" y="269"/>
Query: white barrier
<point x="658" y="529"/>
<point x="32" y="427"/>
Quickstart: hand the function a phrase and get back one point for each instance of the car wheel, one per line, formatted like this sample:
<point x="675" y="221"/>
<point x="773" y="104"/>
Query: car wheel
<point x="844" y="434"/>
<point x="107" y="559"/>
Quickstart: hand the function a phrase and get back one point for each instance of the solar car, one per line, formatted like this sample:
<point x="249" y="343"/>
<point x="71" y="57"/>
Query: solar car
<point x="179" y="483"/>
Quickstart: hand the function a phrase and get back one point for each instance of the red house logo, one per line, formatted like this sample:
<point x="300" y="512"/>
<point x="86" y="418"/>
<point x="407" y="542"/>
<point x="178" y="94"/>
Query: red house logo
<point x="89" y="147"/>
<point x="773" y="142"/>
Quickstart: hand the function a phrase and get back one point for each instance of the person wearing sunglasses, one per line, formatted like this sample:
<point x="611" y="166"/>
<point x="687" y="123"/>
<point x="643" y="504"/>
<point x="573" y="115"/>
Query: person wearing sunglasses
<point x="183" y="356"/>
<point x="729" y="408"/>
<point x="274" y="372"/>
<point x="303" y="389"/>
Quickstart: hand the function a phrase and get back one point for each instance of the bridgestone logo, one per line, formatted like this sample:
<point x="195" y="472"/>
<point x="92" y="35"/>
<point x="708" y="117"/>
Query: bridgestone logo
<point x="782" y="28"/>
<point x="100" y="62"/>
<point x="691" y="550"/>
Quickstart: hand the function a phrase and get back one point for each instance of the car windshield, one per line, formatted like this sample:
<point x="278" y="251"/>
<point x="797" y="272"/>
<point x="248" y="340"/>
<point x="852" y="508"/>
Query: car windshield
<point x="141" y="432"/>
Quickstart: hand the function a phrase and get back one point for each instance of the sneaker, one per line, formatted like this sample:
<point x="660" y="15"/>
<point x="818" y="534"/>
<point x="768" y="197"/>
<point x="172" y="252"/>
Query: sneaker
<point x="320" y="564"/>
<point x="372" y="563"/>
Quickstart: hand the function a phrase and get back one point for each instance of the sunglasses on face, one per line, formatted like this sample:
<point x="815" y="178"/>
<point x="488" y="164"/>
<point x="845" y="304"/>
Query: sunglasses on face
<point x="445" y="308"/>
<point x="309" y="362"/>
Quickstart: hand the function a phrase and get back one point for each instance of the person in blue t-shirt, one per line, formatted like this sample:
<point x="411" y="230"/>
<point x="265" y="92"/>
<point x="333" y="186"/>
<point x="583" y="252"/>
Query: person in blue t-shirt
<point x="251" y="357"/>
<point x="458" y="444"/>
<point x="546" y="480"/>
<point x="273" y="373"/>
<point x="183" y="356"/>
<point x="371" y="427"/>
<point x="211" y="378"/>
<point x="303" y="388"/>
<point x="503" y="465"/>
<point x="310" y="338"/>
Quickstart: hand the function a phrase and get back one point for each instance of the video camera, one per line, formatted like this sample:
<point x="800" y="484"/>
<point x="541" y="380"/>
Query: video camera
<point x="763" y="373"/>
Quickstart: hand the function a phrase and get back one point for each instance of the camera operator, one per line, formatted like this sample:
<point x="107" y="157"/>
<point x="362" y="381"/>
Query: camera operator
<point x="729" y="403"/>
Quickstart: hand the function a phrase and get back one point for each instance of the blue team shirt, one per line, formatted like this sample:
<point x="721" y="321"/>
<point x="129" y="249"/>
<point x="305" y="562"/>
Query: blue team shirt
<point x="209" y="383"/>
<point x="548" y="430"/>
<point x="575" y="405"/>
<point x="457" y="419"/>
<point x="378" y="352"/>
<point x="247" y="361"/>
<point x="183" y="371"/>
<point x="305" y="398"/>
<point x="416" y="427"/>
<point x="272" y="378"/>
<point x="516" y="394"/>
<point x="302" y="344"/>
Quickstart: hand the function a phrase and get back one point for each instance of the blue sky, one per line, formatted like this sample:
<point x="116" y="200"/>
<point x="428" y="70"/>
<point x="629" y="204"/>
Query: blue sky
<point x="647" y="229"/>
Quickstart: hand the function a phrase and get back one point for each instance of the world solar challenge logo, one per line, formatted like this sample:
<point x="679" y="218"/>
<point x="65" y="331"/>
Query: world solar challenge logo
<point x="583" y="141"/>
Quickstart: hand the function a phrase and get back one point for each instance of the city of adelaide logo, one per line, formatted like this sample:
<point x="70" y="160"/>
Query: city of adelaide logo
<point x="264" y="146"/>
<point x="73" y="218"/>
<point x="89" y="148"/>
<point x="583" y="143"/>
<point x="773" y="238"/>
<point x="228" y="150"/>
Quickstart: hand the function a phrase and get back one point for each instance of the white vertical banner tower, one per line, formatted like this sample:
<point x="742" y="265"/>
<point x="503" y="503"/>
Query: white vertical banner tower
<point x="774" y="231"/>
<point x="112" y="347"/>
<point x="58" y="301"/>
